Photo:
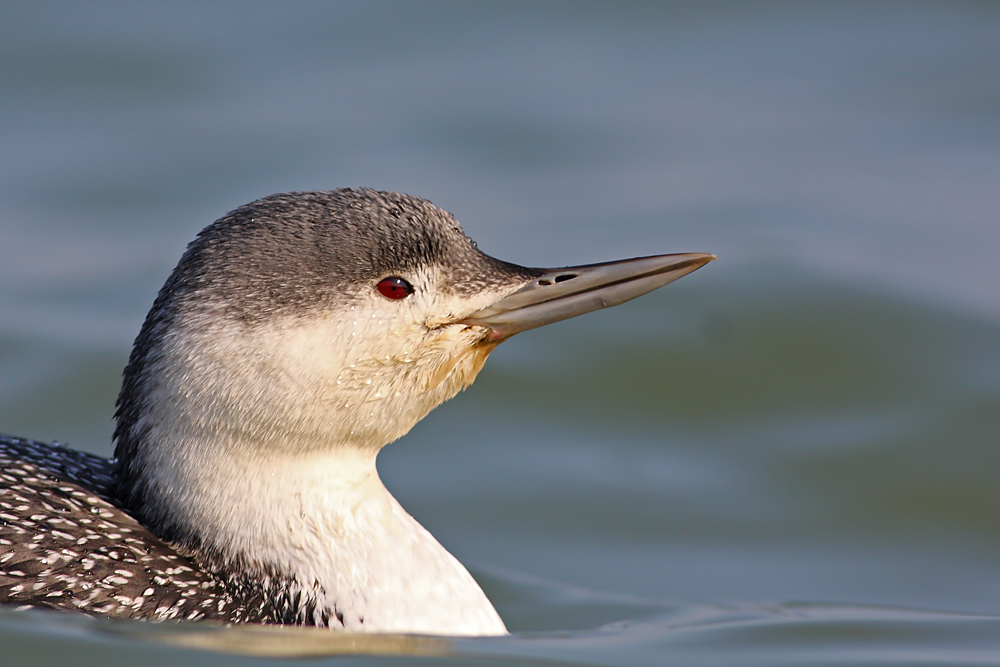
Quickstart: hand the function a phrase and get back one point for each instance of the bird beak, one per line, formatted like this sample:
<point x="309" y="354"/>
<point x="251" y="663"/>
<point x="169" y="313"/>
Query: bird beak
<point x="559" y="294"/>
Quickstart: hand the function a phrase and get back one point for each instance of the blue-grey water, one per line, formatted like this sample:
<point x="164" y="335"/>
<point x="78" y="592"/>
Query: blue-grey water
<point x="790" y="457"/>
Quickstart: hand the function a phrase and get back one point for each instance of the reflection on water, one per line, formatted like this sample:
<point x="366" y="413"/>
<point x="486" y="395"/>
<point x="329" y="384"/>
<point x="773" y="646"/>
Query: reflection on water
<point x="280" y="642"/>
<point x="813" y="418"/>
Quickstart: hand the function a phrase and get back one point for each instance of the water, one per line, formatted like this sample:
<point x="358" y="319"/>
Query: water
<point x="788" y="457"/>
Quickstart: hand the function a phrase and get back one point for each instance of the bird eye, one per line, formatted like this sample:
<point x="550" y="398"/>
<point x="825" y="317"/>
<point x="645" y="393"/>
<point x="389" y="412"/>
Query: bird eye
<point x="395" y="288"/>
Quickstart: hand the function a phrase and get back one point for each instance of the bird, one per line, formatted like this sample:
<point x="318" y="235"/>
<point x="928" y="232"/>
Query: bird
<point x="297" y="336"/>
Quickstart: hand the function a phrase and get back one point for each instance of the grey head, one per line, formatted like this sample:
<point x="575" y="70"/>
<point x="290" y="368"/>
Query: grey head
<point x="272" y="340"/>
<point x="287" y="257"/>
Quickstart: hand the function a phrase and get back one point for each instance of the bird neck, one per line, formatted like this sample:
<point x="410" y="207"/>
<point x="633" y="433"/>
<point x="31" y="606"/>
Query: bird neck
<point x="323" y="522"/>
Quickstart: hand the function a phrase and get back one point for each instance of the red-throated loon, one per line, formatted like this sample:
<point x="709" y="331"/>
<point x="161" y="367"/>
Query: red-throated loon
<point x="297" y="336"/>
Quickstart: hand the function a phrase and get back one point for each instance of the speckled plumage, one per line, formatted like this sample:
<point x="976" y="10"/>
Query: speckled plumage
<point x="65" y="544"/>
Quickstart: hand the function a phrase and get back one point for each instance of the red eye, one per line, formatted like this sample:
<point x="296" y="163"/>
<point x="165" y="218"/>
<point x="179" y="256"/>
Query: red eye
<point x="395" y="288"/>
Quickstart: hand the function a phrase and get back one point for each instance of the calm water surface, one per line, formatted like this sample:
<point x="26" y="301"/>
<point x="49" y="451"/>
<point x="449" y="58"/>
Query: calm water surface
<point x="790" y="457"/>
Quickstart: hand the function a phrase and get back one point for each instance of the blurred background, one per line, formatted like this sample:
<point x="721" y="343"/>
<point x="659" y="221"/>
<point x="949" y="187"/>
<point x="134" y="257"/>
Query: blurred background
<point x="811" y="423"/>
